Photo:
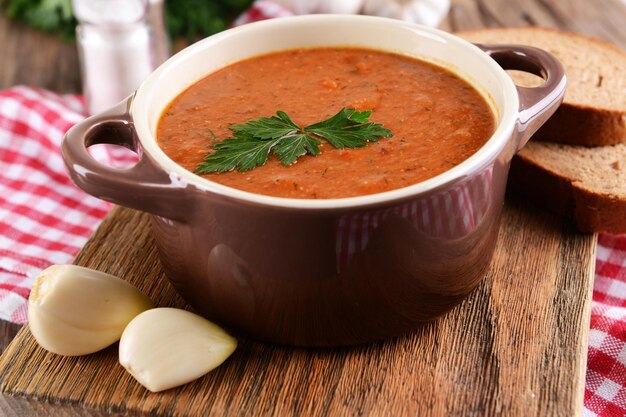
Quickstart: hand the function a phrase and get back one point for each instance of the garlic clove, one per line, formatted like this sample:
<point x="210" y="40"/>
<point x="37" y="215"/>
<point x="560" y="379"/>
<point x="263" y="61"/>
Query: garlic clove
<point x="321" y="6"/>
<point x="163" y="348"/>
<point x="340" y="7"/>
<point x="76" y="311"/>
<point x="425" y="12"/>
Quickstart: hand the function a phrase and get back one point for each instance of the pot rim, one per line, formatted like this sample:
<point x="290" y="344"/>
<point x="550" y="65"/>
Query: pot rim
<point x="181" y="177"/>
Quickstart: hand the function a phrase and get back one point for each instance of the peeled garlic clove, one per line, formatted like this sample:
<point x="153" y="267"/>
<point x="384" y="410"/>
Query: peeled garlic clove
<point x="167" y="347"/>
<point x="75" y="311"/>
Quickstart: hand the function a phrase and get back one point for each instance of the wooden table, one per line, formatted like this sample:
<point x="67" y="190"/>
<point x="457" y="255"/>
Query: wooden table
<point x="36" y="59"/>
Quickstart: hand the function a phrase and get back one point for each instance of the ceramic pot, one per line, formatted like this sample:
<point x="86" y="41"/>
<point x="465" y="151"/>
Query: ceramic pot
<point x="321" y="272"/>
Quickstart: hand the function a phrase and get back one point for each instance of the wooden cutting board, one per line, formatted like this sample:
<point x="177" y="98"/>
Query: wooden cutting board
<point x="516" y="347"/>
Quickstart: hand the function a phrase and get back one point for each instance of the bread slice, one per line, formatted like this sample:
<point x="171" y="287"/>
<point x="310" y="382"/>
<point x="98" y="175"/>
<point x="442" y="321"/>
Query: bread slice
<point x="585" y="184"/>
<point x="593" y="112"/>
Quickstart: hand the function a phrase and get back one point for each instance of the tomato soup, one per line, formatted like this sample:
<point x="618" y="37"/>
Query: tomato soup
<point x="437" y="120"/>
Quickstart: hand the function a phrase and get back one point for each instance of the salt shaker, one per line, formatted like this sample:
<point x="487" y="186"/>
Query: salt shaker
<point x="116" y="49"/>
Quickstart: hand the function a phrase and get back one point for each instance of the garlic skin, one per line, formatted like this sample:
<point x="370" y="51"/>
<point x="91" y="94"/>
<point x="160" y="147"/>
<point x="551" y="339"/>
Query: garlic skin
<point x="75" y="311"/>
<point x="425" y="12"/>
<point x="163" y="348"/>
<point x="322" y="6"/>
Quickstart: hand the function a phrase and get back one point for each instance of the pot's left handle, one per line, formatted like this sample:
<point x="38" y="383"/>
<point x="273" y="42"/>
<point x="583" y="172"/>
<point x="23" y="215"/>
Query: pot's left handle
<point x="144" y="186"/>
<point x="536" y="104"/>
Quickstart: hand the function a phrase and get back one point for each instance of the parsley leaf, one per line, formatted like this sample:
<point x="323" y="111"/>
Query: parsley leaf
<point x="266" y="127"/>
<point x="243" y="154"/>
<point x="349" y="129"/>
<point x="254" y="141"/>
<point x="289" y="151"/>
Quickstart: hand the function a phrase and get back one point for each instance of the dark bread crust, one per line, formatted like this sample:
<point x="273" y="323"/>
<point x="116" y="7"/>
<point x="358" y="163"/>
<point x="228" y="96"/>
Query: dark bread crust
<point x="591" y="212"/>
<point x="584" y="126"/>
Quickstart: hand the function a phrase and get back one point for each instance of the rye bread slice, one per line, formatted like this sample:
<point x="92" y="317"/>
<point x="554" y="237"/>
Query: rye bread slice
<point x="585" y="184"/>
<point x="593" y="112"/>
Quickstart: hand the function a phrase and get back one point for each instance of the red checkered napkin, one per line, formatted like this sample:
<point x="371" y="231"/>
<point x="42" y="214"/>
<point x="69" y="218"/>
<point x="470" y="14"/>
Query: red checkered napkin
<point x="45" y="219"/>
<point x="605" y="387"/>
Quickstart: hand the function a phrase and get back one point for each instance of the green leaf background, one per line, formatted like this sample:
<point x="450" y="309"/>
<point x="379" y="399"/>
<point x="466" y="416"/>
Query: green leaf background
<point x="189" y="19"/>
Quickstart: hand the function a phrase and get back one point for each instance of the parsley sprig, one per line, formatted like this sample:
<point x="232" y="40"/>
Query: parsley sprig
<point x="254" y="141"/>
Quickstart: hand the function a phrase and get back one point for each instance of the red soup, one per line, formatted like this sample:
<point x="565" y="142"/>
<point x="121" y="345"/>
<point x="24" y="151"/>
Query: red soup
<point x="437" y="120"/>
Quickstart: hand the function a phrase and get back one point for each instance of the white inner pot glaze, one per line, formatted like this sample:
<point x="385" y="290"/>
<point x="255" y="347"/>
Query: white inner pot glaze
<point x="218" y="51"/>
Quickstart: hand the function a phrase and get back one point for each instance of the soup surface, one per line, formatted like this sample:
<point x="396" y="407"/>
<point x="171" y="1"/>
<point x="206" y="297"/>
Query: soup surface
<point x="437" y="119"/>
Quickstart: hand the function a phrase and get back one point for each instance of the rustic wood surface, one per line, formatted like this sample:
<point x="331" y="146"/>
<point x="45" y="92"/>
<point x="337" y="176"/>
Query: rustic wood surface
<point x="33" y="58"/>
<point x="516" y="347"/>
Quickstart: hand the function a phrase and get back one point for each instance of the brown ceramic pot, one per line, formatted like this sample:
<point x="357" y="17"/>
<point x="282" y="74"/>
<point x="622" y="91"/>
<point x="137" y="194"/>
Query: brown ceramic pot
<point x="321" y="272"/>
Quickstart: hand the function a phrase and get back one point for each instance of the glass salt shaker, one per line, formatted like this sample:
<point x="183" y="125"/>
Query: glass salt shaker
<point x="116" y="49"/>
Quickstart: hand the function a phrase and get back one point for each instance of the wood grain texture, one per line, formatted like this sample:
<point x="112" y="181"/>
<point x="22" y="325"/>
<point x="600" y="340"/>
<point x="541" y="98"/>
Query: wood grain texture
<point x="516" y="347"/>
<point x="603" y="19"/>
<point x="7" y="333"/>
<point x="37" y="59"/>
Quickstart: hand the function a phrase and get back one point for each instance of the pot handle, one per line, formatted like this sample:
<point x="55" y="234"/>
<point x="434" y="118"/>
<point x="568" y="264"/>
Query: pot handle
<point x="536" y="104"/>
<point x="143" y="186"/>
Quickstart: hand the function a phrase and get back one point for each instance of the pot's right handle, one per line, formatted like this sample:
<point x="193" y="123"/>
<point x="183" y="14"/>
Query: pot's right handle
<point x="536" y="104"/>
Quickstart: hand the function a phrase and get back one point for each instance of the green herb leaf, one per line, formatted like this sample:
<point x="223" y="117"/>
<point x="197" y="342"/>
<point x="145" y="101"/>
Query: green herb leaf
<point x="349" y="129"/>
<point x="290" y="150"/>
<point x="266" y="127"/>
<point x="242" y="154"/>
<point x="254" y="141"/>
